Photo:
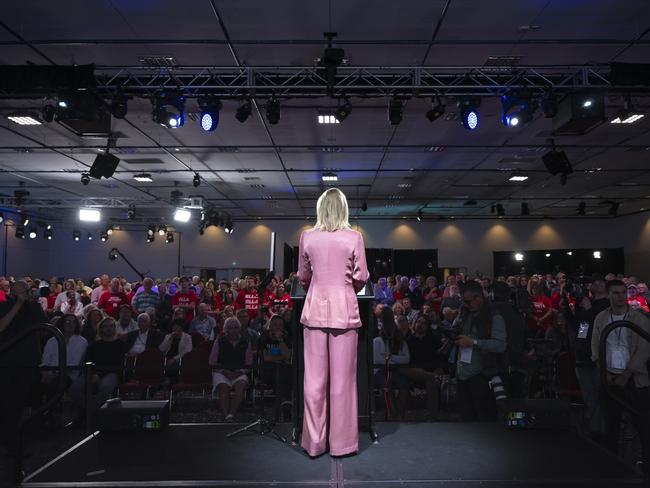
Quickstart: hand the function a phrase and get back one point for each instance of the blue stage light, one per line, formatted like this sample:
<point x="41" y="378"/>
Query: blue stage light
<point x="209" y="121"/>
<point x="470" y="119"/>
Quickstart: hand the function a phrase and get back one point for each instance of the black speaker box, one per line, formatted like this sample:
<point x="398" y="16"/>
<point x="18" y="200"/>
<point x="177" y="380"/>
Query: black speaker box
<point x="104" y="165"/>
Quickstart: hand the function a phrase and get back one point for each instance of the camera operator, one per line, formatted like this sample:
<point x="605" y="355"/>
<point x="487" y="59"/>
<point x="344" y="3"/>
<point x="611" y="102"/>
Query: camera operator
<point x="581" y="325"/>
<point x="19" y="364"/>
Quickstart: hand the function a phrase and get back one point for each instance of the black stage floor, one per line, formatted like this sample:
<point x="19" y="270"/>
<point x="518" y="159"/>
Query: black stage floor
<point x="408" y="455"/>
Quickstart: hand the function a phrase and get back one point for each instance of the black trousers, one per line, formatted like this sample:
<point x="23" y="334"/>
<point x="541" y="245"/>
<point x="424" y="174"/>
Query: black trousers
<point x="475" y="400"/>
<point x="612" y="410"/>
<point x="15" y="388"/>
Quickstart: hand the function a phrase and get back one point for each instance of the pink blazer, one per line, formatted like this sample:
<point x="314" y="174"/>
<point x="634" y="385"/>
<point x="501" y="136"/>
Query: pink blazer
<point x="332" y="268"/>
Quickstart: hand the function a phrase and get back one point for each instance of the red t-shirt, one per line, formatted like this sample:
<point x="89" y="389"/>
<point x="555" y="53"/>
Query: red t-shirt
<point x="51" y="299"/>
<point x="540" y="305"/>
<point x="3" y="296"/>
<point x="433" y="294"/>
<point x="219" y="299"/>
<point x="185" y="299"/>
<point x="398" y="295"/>
<point x="638" y="302"/>
<point x="111" y="302"/>
<point x="249" y="300"/>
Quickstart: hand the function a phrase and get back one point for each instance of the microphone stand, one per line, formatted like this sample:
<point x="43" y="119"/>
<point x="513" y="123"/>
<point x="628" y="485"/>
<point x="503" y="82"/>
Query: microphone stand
<point x="266" y="424"/>
<point x="112" y="255"/>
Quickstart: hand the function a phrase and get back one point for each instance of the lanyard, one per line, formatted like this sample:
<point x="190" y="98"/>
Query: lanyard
<point x="620" y="329"/>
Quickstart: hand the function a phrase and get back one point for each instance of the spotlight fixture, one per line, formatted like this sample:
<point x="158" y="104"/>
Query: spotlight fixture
<point x="169" y="110"/>
<point x="525" y="209"/>
<point x="196" y="181"/>
<point x="103" y="236"/>
<point x="582" y="208"/>
<point x="517" y="110"/>
<point x="119" y="106"/>
<point x="597" y="255"/>
<point x="48" y="112"/>
<point x="182" y="215"/>
<point x="151" y="233"/>
<point x="25" y="220"/>
<point x="500" y="210"/>
<point x="47" y="233"/>
<point x="170" y="238"/>
<point x="329" y="176"/>
<point x="130" y="213"/>
<point x="90" y="236"/>
<point x="547" y="255"/>
<point x="76" y="235"/>
<point x="143" y="177"/>
<point x="229" y="228"/>
<point x="85" y="179"/>
<point x="20" y="231"/>
<point x="627" y="115"/>
<point x="419" y="216"/>
<point x="437" y="110"/>
<point x="32" y="233"/>
<point x="364" y="206"/>
<point x="469" y="112"/>
<point x="244" y="111"/>
<point x="162" y="230"/>
<point x="109" y="230"/>
<point x="89" y="215"/>
<point x="343" y="110"/>
<point x="519" y="256"/>
<point x="209" y="118"/>
<point x="395" y="111"/>
<point x="24" y="118"/>
<point x="273" y="111"/>
<point x="569" y="253"/>
<point x="613" y="209"/>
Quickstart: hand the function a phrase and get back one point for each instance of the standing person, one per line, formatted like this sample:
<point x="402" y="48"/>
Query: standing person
<point x="112" y="300"/>
<point x="102" y="288"/>
<point x="332" y="268"/>
<point x="19" y="364"/>
<point x="185" y="299"/>
<point x="146" y="297"/>
<point x="627" y="356"/>
<point x="249" y="299"/>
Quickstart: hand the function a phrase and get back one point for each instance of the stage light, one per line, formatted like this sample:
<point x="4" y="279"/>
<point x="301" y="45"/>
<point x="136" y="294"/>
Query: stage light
<point x="519" y="256"/>
<point x="109" y="230"/>
<point x="569" y="253"/>
<point x="62" y="104"/>
<point x="90" y="236"/>
<point x="469" y="112"/>
<point x="244" y="111"/>
<point x="273" y="111"/>
<point x="209" y="118"/>
<point x="419" y="216"/>
<point x="436" y="111"/>
<point x="329" y="176"/>
<point x="395" y="111"/>
<point x="170" y="238"/>
<point x="76" y="235"/>
<point x="25" y="221"/>
<point x="130" y="213"/>
<point x="582" y="208"/>
<point x="613" y="209"/>
<point x="162" y="230"/>
<point x="500" y="210"/>
<point x="229" y="227"/>
<point x="48" y="112"/>
<point x="20" y="231"/>
<point x="32" y="233"/>
<point x="596" y="254"/>
<point x="89" y="215"/>
<point x="24" y="118"/>
<point x="518" y="177"/>
<point x="103" y="236"/>
<point x="525" y="209"/>
<point x="182" y="215"/>
<point x="85" y="179"/>
<point x="517" y="110"/>
<point x="48" y="234"/>
<point x="119" y="106"/>
<point x="587" y="102"/>
<point x="548" y="255"/>
<point x="143" y="177"/>
<point x="169" y="110"/>
<point x="196" y="181"/>
<point x="343" y="110"/>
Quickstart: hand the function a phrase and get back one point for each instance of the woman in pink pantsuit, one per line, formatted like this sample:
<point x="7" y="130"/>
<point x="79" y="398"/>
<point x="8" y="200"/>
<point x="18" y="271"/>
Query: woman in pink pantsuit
<point x="332" y="268"/>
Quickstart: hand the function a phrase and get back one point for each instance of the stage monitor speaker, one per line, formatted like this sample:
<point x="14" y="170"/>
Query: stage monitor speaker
<point x="556" y="162"/>
<point x="534" y="413"/>
<point x="104" y="165"/>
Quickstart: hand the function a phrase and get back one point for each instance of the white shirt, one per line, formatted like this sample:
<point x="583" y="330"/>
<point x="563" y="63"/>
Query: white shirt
<point x="62" y="297"/>
<point x="75" y="352"/>
<point x="618" y="348"/>
<point x="121" y="330"/>
<point x="78" y="307"/>
<point x="140" y="343"/>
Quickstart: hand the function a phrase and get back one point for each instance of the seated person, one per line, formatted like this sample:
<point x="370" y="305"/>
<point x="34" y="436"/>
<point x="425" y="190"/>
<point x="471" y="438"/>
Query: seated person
<point x="388" y="349"/>
<point x="422" y="346"/>
<point x="125" y="323"/>
<point x="449" y="315"/>
<point x="175" y="345"/>
<point x="404" y="326"/>
<point x="250" y="334"/>
<point x="72" y="304"/>
<point x="107" y="353"/>
<point x="232" y="356"/>
<point x="75" y="346"/>
<point x="203" y="323"/>
<point x="274" y="348"/>
<point x="143" y="338"/>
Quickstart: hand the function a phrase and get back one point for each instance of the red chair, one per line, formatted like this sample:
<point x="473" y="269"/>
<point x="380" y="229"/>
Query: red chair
<point x="195" y="373"/>
<point x="149" y="372"/>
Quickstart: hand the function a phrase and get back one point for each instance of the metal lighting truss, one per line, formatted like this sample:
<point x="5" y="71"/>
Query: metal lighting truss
<point x="360" y="81"/>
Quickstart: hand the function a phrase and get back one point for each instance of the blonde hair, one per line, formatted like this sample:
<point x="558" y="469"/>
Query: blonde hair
<point x="332" y="211"/>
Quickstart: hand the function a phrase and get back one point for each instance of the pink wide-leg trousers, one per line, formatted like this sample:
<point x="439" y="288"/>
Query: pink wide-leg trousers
<point x="330" y="381"/>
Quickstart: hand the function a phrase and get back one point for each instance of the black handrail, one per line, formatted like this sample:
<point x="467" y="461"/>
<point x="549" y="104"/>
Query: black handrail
<point x="602" y="363"/>
<point x="56" y="333"/>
